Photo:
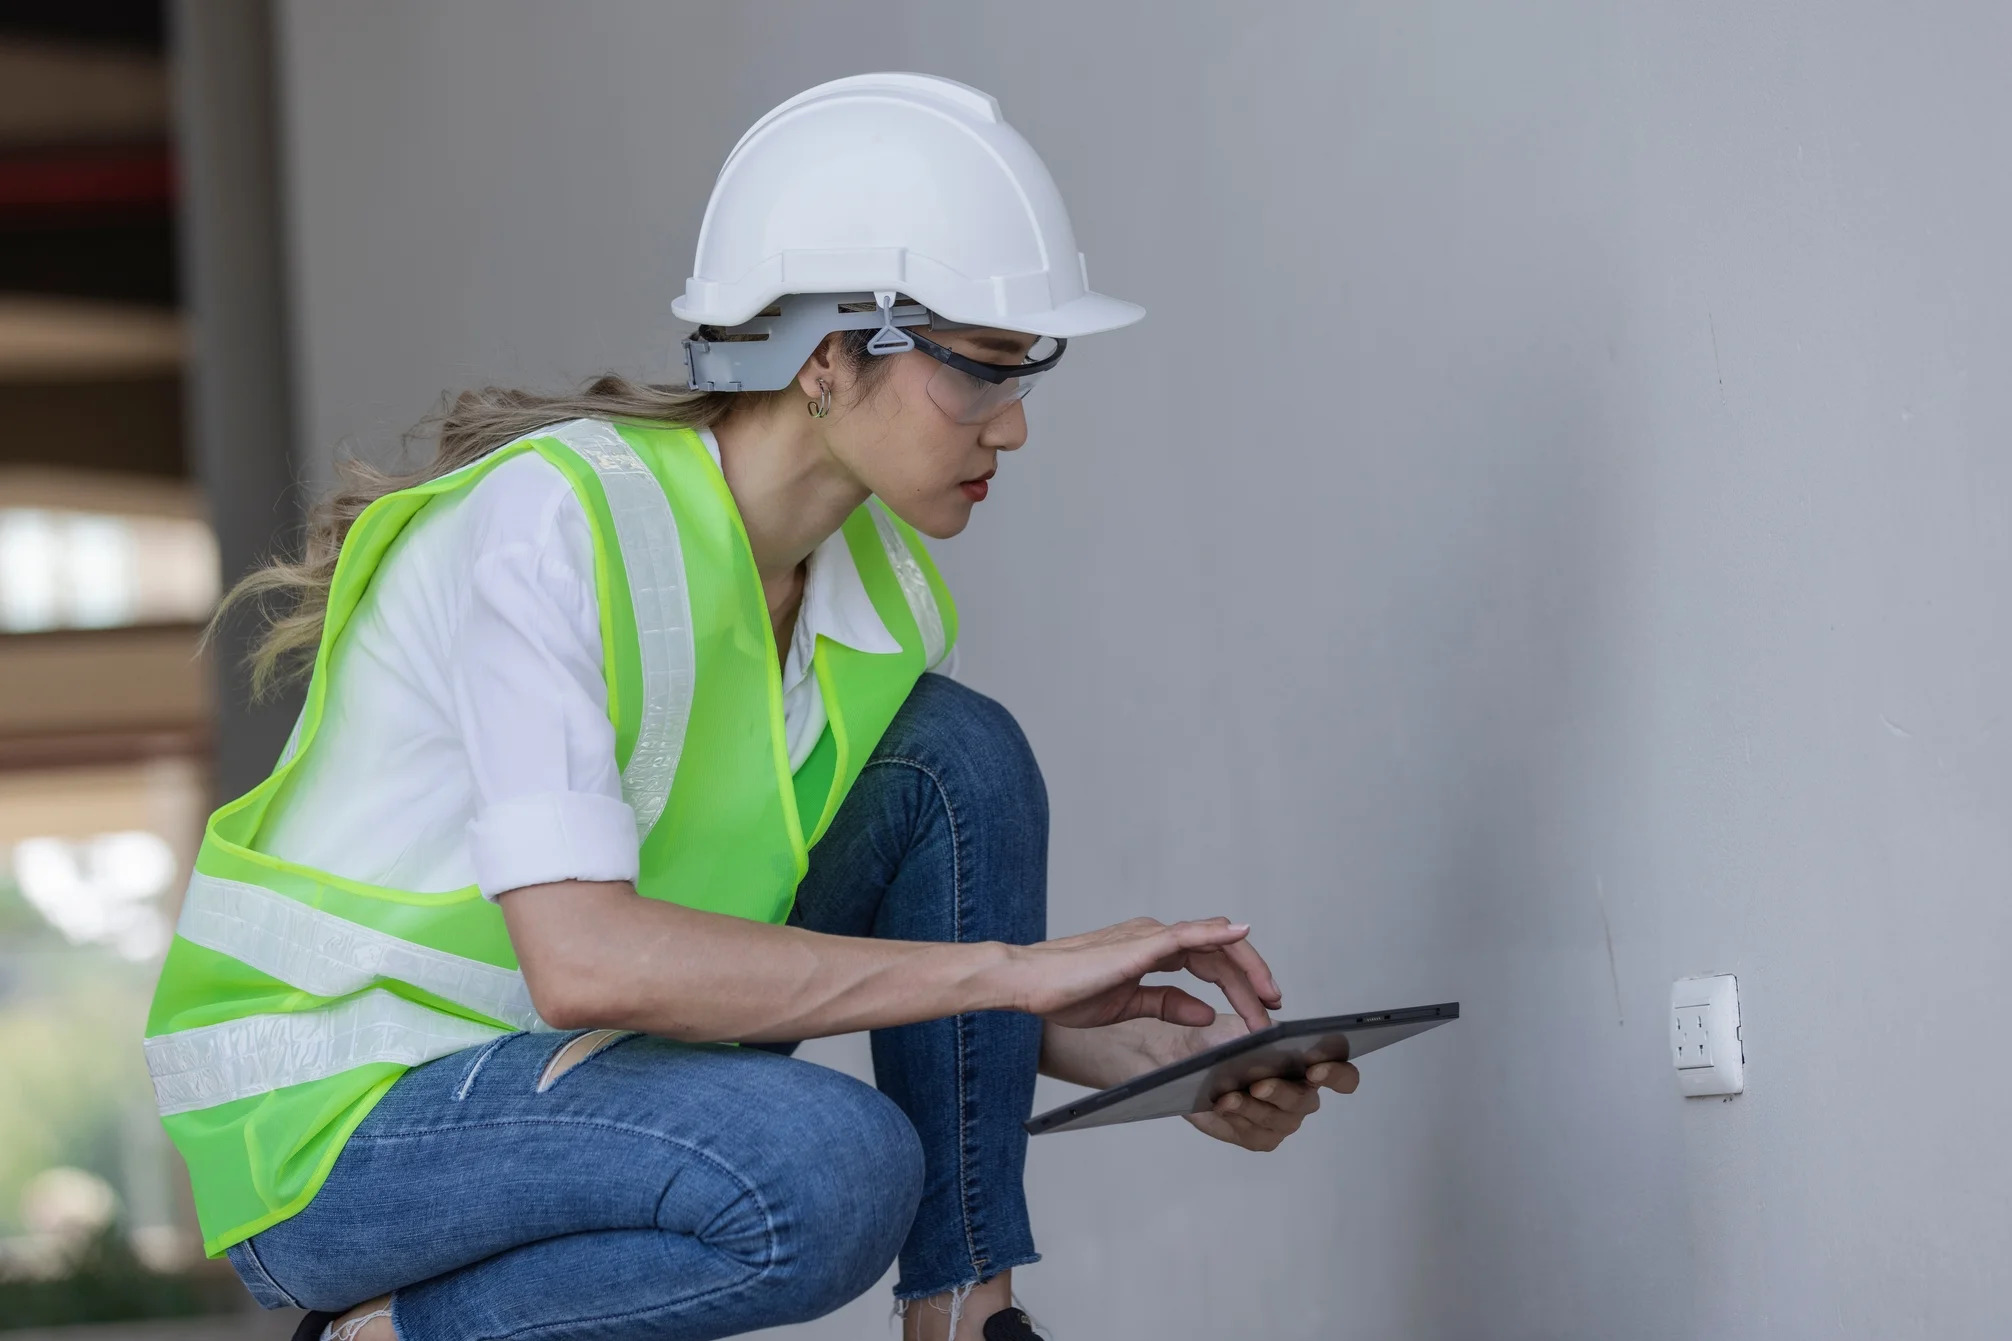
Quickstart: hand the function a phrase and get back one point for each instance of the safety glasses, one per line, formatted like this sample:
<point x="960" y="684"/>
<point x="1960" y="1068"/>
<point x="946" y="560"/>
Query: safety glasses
<point x="972" y="392"/>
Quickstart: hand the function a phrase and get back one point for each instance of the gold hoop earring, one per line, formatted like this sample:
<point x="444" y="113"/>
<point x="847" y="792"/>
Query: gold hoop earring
<point x="820" y="407"/>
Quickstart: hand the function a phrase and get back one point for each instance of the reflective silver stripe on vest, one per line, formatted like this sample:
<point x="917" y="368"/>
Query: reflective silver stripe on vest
<point x="915" y="587"/>
<point x="293" y="738"/>
<point x="647" y="533"/>
<point x="200" y="1068"/>
<point x="326" y="955"/>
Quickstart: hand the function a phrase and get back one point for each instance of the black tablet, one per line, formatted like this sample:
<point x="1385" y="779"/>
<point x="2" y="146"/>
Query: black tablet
<point x="1289" y="1049"/>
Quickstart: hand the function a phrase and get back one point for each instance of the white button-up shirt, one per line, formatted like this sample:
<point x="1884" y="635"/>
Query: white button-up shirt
<point x="466" y="739"/>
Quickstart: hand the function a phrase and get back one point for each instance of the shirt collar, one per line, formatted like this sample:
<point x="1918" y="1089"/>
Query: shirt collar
<point x="835" y="602"/>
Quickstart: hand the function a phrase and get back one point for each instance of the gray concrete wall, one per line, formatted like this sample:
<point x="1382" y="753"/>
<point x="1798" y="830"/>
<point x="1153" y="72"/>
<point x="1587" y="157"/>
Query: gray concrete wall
<point x="1550" y="537"/>
<point x="240" y="412"/>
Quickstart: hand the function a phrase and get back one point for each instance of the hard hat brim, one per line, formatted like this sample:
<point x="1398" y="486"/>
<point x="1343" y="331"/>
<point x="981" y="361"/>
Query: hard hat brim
<point x="1091" y="314"/>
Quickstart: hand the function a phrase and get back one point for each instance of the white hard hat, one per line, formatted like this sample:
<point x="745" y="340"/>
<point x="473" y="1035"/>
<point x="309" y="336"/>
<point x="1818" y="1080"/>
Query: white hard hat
<point x="894" y="183"/>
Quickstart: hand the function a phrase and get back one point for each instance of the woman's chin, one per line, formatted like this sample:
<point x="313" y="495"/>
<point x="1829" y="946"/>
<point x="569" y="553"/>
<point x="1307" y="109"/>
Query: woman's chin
<point x="941" y="518"/>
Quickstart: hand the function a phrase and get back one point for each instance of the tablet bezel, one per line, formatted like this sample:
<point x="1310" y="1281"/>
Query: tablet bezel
<point x="1065" y="1116"/>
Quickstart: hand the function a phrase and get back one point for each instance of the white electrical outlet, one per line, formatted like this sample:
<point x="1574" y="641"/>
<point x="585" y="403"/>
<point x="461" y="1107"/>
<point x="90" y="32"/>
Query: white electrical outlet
<point x="1705" y="1035"/>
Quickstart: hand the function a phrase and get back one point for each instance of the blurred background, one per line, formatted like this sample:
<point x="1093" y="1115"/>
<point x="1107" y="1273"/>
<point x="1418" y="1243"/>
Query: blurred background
<point x="1551" y="536"/>
<point x="108" y="567"/>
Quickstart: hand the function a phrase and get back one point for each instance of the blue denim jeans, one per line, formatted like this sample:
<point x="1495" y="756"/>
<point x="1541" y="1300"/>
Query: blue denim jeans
<point x="654" y="1189"/>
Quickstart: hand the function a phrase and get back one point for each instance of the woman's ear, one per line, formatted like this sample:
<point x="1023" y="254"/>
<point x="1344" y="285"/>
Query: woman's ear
<point x="822" y="364"/>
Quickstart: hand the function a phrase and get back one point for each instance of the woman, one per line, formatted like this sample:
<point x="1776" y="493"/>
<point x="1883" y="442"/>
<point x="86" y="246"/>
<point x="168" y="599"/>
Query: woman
<point x="621" y="747"/>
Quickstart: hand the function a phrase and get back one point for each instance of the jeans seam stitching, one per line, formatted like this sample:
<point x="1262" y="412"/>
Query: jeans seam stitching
<point x="910" y="1296"/>
<point x="556" y="1120"/>
<point x="559" y="1120"/>
<point x="740" y="1180"/>
<point x="251" y="1251"/>
<point x="548" y="1328"/>
<point x="964" y="1189"/>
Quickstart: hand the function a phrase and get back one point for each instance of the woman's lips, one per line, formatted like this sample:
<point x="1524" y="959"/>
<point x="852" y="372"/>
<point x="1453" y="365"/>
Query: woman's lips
<point x="975" y="490"/>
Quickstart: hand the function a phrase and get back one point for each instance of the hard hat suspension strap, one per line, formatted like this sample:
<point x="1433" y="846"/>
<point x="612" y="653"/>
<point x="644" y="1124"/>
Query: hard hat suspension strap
<point x="890" y="338"/>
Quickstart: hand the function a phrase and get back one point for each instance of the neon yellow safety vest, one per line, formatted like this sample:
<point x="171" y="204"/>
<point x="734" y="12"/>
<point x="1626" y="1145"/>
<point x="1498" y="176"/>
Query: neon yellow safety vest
<point x="293" y="998"/>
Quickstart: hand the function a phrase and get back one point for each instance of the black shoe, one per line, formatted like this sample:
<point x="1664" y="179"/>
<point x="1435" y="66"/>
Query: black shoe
<point x="1010" y="1324"/>
<point x="311" y="1325"/>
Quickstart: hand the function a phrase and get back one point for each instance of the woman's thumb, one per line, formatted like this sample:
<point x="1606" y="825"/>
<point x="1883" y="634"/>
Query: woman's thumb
<point x="1172" y="1005"/>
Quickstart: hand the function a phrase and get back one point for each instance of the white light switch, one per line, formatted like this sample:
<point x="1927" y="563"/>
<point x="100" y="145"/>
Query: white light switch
<point x="1705" y="1035"/>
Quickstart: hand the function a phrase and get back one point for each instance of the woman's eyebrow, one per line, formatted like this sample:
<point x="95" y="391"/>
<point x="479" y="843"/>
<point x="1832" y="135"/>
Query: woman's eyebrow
<point x="1004" y="344"/>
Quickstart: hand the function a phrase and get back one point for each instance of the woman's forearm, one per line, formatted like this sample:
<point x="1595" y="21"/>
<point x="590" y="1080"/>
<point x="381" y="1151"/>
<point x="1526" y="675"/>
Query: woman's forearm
<point x="596" y="955"/>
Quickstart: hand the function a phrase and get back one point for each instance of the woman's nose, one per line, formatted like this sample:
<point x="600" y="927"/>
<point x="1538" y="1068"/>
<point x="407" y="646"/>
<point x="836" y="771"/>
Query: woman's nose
<point x="1006" y="431"/>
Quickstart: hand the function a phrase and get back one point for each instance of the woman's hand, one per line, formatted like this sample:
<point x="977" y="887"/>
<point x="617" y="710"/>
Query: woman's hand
<point x="1091" y="980"/>
<point x="1260" y="1117"/>
<point x="1271" y="1110"/>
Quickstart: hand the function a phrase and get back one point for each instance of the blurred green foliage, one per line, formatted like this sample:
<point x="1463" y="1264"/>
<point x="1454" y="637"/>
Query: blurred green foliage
<point x="70" y="1024"/>
<point x="108" y="1284"/>
<point x="71" y="1018"/>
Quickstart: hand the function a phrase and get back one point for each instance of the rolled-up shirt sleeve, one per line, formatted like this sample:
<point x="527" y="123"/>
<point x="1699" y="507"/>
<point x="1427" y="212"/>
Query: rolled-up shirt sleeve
<point x="529" y="694"/>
